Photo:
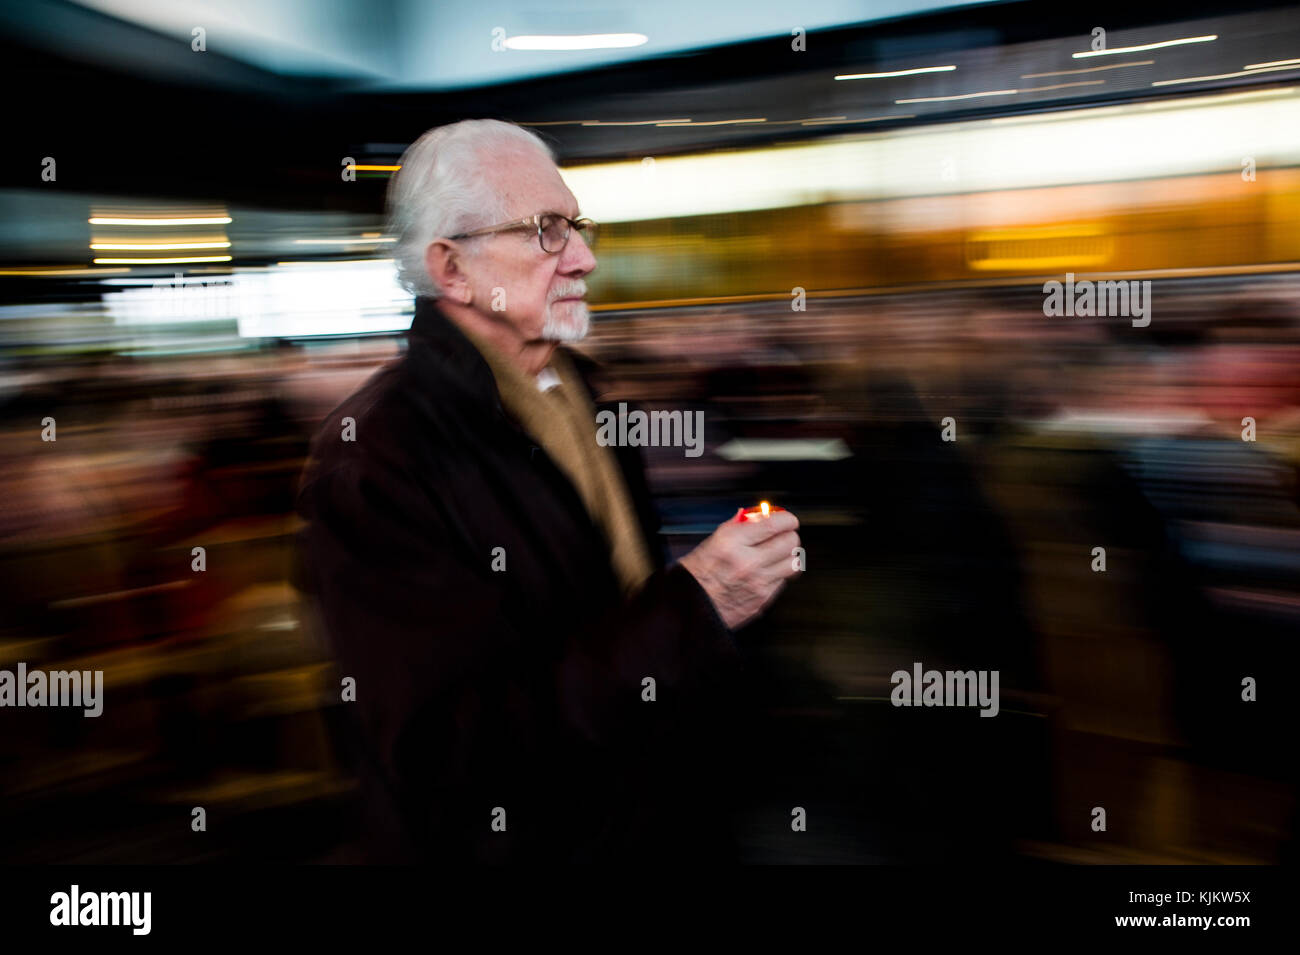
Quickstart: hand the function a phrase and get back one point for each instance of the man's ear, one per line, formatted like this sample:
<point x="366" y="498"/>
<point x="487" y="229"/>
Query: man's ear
<point x="443" y="261"/>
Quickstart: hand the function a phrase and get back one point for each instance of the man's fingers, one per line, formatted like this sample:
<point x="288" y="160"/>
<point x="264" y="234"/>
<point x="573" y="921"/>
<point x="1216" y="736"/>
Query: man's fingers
<point x="753" y="532"/>
<point x="777" y="549"/>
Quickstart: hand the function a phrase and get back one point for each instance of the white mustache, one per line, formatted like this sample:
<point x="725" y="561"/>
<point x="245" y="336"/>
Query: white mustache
<point x="578" y="288"/>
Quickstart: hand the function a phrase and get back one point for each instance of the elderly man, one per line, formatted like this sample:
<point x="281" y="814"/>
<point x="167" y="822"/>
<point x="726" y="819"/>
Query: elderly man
<point x="530" y="682"/>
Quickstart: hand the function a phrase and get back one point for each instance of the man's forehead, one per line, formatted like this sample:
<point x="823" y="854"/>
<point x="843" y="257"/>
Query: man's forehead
<point x="531" y="183"/>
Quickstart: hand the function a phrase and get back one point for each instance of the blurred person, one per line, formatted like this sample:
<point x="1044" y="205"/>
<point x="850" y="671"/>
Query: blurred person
<point x="485" y="570"/>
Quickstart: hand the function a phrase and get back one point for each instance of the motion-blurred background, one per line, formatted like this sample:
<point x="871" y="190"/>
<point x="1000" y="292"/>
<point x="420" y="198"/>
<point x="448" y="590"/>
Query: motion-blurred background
<point x="828" y="225"/>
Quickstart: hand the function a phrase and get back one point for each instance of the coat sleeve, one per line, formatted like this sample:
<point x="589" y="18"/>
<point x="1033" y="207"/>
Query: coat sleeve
<point x="451" y="695"/>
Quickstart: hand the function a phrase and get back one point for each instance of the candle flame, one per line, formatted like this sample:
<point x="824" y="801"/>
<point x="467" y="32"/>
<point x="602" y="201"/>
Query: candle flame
<point x="766" y="508"/>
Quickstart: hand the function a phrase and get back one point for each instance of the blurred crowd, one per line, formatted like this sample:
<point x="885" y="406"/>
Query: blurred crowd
<point x="1122" y="688"/>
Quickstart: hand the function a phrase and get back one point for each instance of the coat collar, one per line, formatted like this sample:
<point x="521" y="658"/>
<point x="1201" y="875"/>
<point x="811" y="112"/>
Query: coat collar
<point x="446" y="364"/>
<point x="457" y="362"/>
<point x="445" y="355"/>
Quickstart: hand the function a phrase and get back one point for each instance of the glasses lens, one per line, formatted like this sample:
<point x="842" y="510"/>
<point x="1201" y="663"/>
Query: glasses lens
<point x="590" y="232"/>
<point x="555" y="232"/>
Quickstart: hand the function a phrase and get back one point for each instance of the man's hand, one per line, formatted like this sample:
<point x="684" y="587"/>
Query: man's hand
<point x="743" y="565"/>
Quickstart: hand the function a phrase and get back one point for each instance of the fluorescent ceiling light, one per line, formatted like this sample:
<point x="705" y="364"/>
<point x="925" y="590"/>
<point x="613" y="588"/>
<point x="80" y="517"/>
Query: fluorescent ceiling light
<point x="156" y="246"/>
<point x="180" y="261"/>
<point x="204" y="220"/>
<point x="577" y="41"/>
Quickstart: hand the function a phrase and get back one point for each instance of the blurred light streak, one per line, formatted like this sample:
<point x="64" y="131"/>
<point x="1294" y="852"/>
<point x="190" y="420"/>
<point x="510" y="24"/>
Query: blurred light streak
<point x="1160" y="140"/>
<point x="157" y="246"/>
<point x="314" y="298"/>
<point x="1225" y="76"/>
<point x="1061" y="86"/>
<point x="60" y="272"/>
<point x="590" y="41"/>
<point x="784" y="449"/>
<point x="1146" y="46"/>
<point x="613" y="122"/>
<point x="836" y="121"/>
<point x="958" y="96"/>
<point x="345" y="241"/>
<point x="715" y="122"/>
<point x="1260" y="66"/>
<point x="144" y="221"/>
<point x="173" y="261"/>
<point x="1090" y="69"/>
<point x="878" y="76"/>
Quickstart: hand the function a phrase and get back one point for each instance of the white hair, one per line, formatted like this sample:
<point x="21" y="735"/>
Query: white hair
<point x="443" y="189"/>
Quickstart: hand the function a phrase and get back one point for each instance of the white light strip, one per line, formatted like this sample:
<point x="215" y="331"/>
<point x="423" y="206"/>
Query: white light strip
<point x="1224" y="76"/>
<point x="1161" y="140"/>
<point x="176" y="281"/>
<point x="590" y="41"/>
<point x="207" y="220"/>
<point x="881" y="76"/>
<point x="326" y="265"/>
<point x="1146" y="46"/>
<point x="1090" y="69"/>
<point x="343" y="241"/>
<point x="1260" y="66"/>
<point x="56" y="272"/>
<point x="784" y="449"/>
<point x="947" y="99"/>
<point x="178" y="261"/>
<point x="617" y="122"/>
<point x="716" y="122"/>
<point x="155" y="246"/>
<point x="333" y="299"/>
<point x="1061" y="86"/>
<point x="837" y="120"/>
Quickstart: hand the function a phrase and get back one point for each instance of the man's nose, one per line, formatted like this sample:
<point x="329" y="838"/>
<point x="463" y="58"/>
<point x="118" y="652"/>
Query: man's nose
<point x="577" y="257"/>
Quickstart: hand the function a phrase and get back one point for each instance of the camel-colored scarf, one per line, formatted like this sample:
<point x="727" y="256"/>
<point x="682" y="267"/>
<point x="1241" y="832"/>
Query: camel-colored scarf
<point x="563" y="421"/>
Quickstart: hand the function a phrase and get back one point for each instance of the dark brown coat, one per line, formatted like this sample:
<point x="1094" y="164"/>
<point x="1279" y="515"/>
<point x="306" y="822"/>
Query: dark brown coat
<point x="522" y="688"/>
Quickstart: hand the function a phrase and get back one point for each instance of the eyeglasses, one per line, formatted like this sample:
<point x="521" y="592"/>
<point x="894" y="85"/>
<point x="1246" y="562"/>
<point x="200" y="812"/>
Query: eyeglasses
<point x="552" y="230"/>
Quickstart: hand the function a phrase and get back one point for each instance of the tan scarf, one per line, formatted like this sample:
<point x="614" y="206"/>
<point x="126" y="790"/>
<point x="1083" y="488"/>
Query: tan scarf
<point x="563" y="421"/>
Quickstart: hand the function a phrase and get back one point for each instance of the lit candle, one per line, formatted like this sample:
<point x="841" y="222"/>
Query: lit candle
<point x="764" y="509"/>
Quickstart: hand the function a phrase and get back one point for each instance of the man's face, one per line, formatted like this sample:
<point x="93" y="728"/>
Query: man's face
<point x="540" y="294"/>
